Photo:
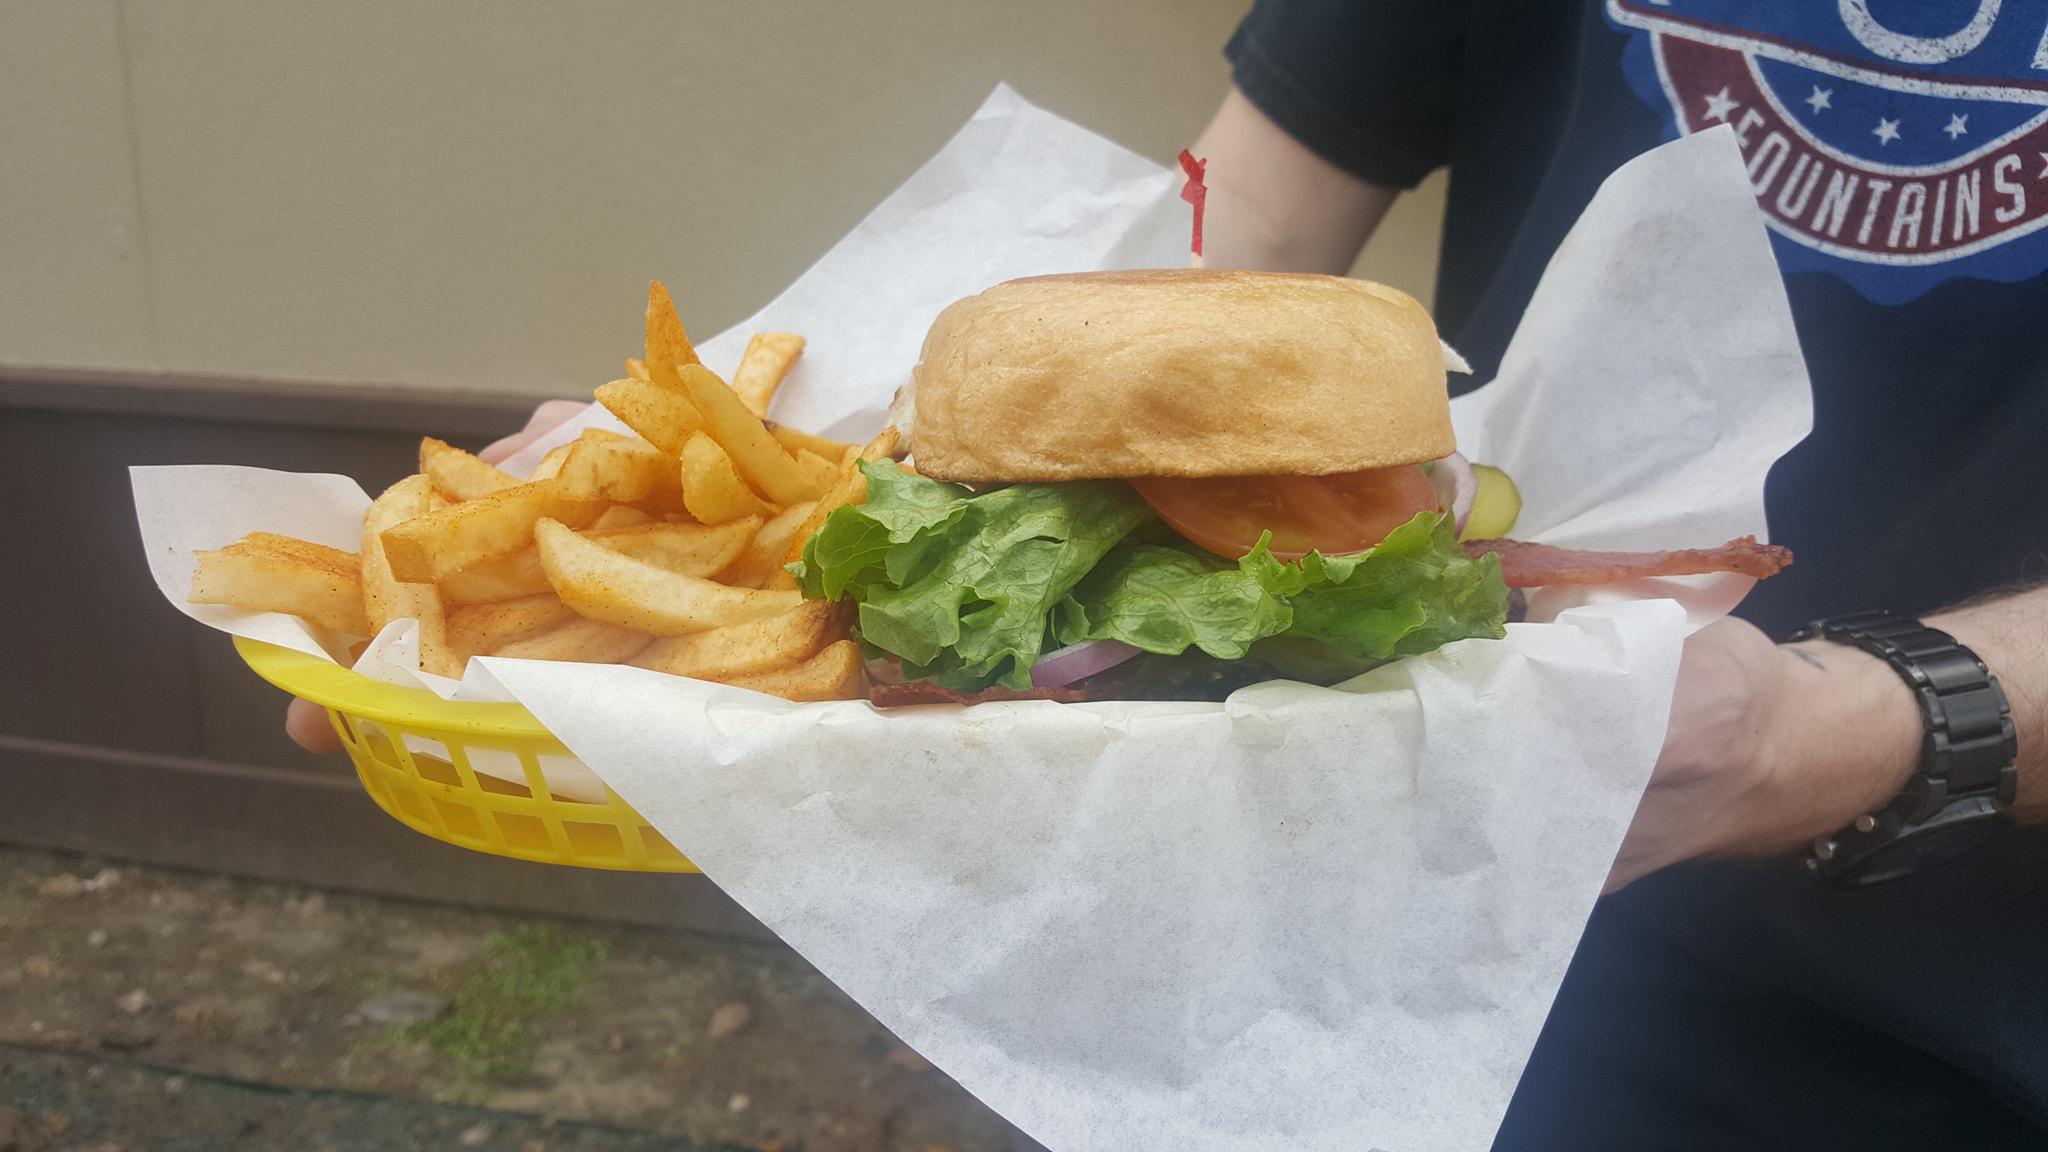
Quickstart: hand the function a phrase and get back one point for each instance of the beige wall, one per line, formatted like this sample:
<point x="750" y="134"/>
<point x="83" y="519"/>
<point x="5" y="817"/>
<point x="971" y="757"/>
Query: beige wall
<point x="474" y="194"/>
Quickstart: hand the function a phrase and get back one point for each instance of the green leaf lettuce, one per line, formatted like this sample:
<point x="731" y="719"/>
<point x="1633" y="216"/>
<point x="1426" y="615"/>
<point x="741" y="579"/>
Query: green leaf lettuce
<point x="971" y="588"/>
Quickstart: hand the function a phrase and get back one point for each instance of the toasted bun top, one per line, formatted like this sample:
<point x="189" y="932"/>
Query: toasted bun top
<point x="1178" y="373"/>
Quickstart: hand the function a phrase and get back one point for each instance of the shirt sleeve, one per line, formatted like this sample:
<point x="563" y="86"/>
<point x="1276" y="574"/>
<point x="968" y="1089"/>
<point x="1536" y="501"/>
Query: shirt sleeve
<point x="1369" y="85"/>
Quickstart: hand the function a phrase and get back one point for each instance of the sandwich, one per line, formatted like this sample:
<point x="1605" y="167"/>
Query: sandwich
<point x="1174" y="484"/>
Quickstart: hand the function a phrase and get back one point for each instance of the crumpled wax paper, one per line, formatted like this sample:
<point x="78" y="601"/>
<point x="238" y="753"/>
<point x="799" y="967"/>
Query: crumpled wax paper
<point x="1303" y="919"/>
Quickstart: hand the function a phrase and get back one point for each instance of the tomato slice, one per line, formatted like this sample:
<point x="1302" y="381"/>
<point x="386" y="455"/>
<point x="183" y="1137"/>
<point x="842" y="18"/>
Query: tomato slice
<point x="1348" y="512"/>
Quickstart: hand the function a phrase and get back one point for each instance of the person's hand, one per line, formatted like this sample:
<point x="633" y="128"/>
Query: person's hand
<point x="1768" y="747"/>
<point x="305" y="722"/>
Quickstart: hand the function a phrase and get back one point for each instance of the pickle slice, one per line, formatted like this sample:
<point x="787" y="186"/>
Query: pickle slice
<point x="1495" y="507"/>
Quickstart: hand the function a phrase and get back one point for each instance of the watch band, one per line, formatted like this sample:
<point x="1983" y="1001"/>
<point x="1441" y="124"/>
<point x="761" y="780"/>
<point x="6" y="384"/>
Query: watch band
<point x="1968" y="748"/>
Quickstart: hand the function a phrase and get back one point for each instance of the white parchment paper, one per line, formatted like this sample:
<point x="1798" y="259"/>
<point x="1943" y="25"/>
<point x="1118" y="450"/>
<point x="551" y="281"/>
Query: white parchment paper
<point x="1304" y="919"/>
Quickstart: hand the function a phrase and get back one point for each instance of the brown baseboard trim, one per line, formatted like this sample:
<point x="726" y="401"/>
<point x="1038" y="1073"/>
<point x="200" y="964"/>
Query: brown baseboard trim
<point x="355" y="407"/>
<point x="256" y="774"/>
<point x="306" y="828"/>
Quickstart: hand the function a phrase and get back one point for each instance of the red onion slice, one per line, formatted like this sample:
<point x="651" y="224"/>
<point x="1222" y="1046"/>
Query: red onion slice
<point x="1456" y="486"/>
<point x="1079" y="661"/>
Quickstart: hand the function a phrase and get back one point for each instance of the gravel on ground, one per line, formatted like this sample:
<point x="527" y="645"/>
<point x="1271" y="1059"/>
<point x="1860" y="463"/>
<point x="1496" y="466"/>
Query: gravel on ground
<point x="720" y="1041"/>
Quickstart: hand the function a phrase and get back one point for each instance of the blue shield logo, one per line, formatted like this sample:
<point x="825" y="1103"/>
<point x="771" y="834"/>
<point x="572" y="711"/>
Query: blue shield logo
<point x="1893" y="143"/>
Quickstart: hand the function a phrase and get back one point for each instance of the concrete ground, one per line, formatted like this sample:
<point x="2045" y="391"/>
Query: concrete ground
<point x="145" y="1008"/>
<point x="93" y="1104"/>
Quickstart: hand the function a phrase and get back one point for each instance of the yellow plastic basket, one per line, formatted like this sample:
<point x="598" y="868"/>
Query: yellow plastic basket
<point x="418" y="757"/>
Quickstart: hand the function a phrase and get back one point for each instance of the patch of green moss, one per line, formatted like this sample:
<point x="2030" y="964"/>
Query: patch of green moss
<point x="528" y="974"/>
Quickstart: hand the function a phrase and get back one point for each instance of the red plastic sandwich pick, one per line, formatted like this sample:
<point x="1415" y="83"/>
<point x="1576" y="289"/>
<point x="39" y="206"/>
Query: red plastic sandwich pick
<point x="1195" y="192"/>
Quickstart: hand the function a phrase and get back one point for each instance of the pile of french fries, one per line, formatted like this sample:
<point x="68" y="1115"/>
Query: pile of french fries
<point x="664" y="549"/>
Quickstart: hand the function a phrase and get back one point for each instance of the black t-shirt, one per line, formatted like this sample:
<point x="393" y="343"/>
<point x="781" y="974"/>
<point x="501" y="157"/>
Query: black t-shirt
<point x="1900" y="152"/>
<point x="1908" y="202"/>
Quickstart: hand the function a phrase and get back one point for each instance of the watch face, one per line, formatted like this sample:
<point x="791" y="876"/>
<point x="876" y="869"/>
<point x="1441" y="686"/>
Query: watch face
<point x="1947" y="834"/>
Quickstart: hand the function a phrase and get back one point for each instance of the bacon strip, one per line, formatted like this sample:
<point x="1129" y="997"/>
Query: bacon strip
<point x="925" y="692"/>
<point x="1526" y="565"/>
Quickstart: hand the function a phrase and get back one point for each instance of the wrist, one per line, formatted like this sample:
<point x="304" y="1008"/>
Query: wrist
<point x="2005" y="636"/>
<point x="1842" y="738"/>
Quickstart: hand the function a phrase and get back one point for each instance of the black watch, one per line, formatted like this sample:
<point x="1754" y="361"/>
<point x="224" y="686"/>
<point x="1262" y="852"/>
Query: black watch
<point x="1962" y="793"/>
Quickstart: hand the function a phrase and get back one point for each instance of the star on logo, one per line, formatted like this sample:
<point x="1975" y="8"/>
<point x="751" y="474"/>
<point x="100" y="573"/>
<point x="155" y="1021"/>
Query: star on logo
<point x="1957" y="126"/>
<point x="1821" y="99"/>
<point x="1719" y="106"/>
<point x="2044" y="167"/>
<point x="1886" y="130"/>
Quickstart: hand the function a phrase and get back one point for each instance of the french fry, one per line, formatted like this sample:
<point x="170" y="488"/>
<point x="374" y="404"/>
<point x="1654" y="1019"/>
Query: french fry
<point x="887" y="443"/>
<point x="818" y="471"/>
<point x="610" y="586"/>
<point x="578" y="640"/>
<point x="550" y="465"/>
<point x="619" y="469"/>
<point x="430" y="548"/>
<point x="762" y="367"/>
<point x="762" y="555"/>
<point x="833" y="674"/>
<point x="457" y="474"/>
<point x="485" y="628"/>
<point x="765" y="464"/>
<point x="497" y="579"/>
<point x="519" y="574"/>
<point x="712" y="489"/>
<point x="664" y="417"/>
<point x="665" y="548"/>
<point x="385" y="597"/>
<point x="620" y="516"/>
<point x="689" y="549"/>
<point x="747" y="648"/>
<point x="265" y="572"/>
<point x="797" y="440"/>
<point x="850" y="488"/>
<point x="667" y="343"/>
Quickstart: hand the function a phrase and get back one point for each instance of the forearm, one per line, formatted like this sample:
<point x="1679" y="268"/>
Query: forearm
<point x="1847" y="729"/>
<point x="1841" y="738"/>
<point x="1275" y="206"/>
